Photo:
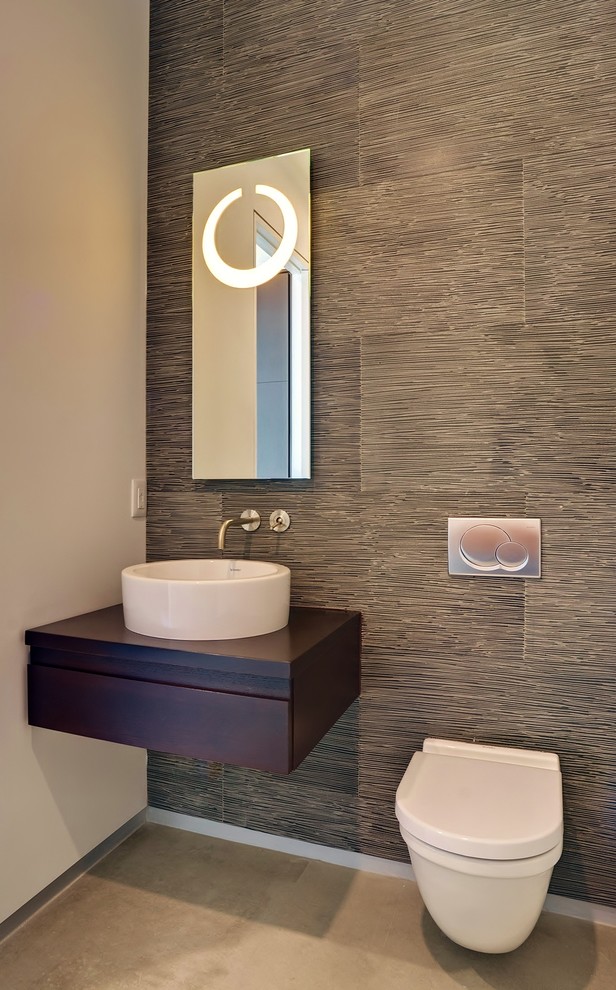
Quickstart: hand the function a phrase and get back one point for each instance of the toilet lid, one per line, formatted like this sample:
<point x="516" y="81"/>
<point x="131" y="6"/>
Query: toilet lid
<point x="481" y="808"/>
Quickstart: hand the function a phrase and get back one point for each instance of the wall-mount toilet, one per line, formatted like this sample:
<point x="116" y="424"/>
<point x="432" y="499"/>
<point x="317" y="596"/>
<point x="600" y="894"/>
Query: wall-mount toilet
<point x="484" y="827"/>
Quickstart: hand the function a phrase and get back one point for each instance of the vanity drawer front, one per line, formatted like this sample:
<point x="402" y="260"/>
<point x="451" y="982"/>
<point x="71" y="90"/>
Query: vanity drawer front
<point x="206" y="725"/>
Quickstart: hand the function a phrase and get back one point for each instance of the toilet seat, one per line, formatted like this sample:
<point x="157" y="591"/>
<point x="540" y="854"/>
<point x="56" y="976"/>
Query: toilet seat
<point x="481" y="808"/>
<point x="505" y="869"/>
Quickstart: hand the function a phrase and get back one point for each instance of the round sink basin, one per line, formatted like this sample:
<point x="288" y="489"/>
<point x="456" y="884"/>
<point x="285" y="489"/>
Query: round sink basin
<point x="206" y="599"/>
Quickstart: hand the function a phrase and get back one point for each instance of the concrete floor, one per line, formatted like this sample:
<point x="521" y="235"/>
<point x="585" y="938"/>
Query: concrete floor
<point x="169" y="910"/>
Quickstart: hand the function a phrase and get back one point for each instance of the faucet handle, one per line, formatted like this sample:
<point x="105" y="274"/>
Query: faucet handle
<point x="253" y="520"/>
<point x="279" y="521"/>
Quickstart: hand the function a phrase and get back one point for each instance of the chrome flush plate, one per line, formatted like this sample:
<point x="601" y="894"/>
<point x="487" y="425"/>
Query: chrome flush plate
<point x="494" y="547"/>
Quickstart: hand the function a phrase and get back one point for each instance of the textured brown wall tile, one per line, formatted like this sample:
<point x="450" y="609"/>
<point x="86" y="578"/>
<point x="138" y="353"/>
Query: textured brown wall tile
<point x="569" y="375"/>
<point x="463" y="348"/>
<point x="443" y="408"/>
<point x="569" y="672"/>
<point x="450" y="242"/>
<point x="570" y="218"/>
<point x="444" y="83"/>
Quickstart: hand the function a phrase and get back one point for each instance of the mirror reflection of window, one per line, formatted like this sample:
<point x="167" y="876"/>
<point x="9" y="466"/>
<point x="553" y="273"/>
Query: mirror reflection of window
<point x="282" y="362"/>
<point x="273" y="359"/>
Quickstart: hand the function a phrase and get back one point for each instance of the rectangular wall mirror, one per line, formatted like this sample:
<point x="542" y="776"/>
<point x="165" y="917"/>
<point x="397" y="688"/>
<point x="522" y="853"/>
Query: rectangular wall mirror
<point x="251" y="319"/>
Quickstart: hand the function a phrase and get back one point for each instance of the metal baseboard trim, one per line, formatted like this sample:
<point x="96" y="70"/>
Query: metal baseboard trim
<point x="279" y="843"/>
<point x="598" y="914"/>
<point x="555" y="904"/>
<point x="57" y="886"/>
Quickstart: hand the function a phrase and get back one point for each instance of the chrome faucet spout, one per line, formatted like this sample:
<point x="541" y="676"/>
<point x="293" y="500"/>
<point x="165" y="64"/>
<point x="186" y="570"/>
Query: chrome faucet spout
<point x="249" y="520"/>
<point x="222" y="532"/>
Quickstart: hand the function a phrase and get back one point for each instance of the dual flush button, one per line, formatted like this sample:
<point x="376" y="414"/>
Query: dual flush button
<point x="495" y="547"/>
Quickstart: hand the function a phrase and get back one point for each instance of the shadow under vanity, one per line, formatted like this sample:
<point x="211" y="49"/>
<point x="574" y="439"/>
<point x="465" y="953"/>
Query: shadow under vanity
<point x="262" y="702"/>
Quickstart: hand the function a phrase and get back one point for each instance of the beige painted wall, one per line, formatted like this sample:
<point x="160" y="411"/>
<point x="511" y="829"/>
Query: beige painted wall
<point x="73" y="125"/>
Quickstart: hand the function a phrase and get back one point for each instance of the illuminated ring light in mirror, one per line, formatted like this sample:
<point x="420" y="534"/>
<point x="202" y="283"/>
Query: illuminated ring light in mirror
<point x="245" y="278"/>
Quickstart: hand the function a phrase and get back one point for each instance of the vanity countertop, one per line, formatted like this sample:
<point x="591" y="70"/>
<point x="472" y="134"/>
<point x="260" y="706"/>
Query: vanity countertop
<point x="281" y="654"/>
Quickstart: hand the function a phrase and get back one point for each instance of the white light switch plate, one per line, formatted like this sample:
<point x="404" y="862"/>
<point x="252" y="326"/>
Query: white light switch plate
<point x="138" y="498"/>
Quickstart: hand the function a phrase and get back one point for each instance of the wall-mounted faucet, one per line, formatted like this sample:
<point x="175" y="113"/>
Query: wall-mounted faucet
<point x="249" y="520"/>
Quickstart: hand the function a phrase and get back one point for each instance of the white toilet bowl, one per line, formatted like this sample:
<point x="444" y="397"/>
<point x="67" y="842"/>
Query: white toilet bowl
<point x="484" y="829"/>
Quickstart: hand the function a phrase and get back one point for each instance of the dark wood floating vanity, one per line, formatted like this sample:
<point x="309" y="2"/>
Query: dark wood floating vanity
<point x="263" y="702"/>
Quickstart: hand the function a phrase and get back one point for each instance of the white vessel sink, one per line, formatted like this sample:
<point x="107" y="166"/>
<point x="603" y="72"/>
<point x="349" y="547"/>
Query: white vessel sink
<point x="206" y="599"/>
